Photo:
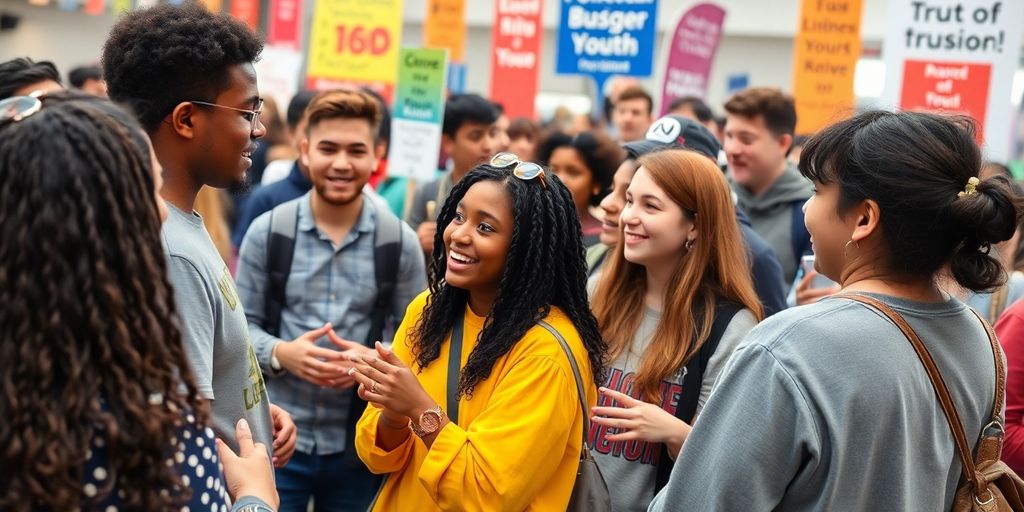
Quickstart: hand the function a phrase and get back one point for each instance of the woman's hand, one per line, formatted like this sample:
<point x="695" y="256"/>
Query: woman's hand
<point x="390" y="385"/>
<point x="248" y="473"/>
<point x="806" y="294"/>
<point x="637" y="420"/>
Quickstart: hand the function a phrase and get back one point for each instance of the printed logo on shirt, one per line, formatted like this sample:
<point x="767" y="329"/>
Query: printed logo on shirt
<point x="255" y="391"/>
<point x="227" y="289"/>
<point x="633" y="451"/>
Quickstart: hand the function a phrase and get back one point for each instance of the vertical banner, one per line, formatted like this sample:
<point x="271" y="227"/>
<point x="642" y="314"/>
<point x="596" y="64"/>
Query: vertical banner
<point x="355" y="41"/>
<point x="248" y="11"/>
<point x="515" y="55"/>
<point x="956" y="56"/>
<point x="284" y="27"/>
<point x="604" y="38"/>
<point x="825" y="53"/>
<point x="95" y="7"/>
<point x="278" y="69"/>
<point x="214" y="6"/>
<point x="417" y="113"/>
<point x="445" y="28"/>
<point x="691" y="51"/>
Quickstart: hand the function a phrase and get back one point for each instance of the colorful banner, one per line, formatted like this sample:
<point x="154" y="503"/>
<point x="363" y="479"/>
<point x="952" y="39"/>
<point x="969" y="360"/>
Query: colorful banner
<point x="515" y="55"/>
<point x="417" y="113"/>
<point x="284" y="28"/>
<point x="355" y="40"/>
<point x="825" y="53"/>
<point x="956" y="56"/>
<point x="445" y="27"/>
<point x="211" y="5"/>
<point x="278" y="70"/>
<point x="95" y="7"/>
<point x="248" y="11"/>
<point x="604" y="38"/>
<point x="120" y="6"/>
<point x="691" y="51"/>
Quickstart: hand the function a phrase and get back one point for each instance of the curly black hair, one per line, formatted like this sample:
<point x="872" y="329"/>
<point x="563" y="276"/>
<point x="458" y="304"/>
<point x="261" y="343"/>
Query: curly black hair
<point x="88" y="330"/>
<point x="602" y="156"/>
<point x="156" y="58"/>
<point x="22" y="71"/>
<point x="545" y="267"/>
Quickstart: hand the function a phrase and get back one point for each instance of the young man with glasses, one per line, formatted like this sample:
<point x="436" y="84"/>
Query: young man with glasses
<point x="188" y="76"/>
<point x="333" y="292"/>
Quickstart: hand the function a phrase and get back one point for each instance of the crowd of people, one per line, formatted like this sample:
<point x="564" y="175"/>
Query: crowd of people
<point x="210" y="302"/>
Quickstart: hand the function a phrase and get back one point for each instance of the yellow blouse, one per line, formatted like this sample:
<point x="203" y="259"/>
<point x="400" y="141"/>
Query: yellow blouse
<point x="517" y="442"/>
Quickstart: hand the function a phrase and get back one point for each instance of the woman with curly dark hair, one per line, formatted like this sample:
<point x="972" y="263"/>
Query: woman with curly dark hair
<point x="478" y="372"/>
<point x="99" y="408"/>
<point x="585" y="162"/>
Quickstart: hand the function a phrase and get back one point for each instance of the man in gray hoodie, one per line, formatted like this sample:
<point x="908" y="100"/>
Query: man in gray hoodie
<point x="759" y="128"/>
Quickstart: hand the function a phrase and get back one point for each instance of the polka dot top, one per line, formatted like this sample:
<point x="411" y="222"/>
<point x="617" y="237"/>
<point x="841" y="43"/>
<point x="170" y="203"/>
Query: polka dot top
<point x="194" y="454"/>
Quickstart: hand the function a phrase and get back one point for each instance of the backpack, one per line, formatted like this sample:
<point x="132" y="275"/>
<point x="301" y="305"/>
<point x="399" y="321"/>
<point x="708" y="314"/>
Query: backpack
<point x="387" y="250"/>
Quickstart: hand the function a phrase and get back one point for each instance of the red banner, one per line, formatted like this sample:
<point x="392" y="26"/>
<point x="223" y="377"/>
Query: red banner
<point x="285" y="21"/>
<point x="95" y="7"/>
<point x="956" y="87"/>
<point x="515" y="55"/>
<point x="247" y="11"/>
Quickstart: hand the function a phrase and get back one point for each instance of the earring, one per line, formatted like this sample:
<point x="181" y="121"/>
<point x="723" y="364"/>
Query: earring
<point x="846" y="248"/>
<point x="688" y="245"/>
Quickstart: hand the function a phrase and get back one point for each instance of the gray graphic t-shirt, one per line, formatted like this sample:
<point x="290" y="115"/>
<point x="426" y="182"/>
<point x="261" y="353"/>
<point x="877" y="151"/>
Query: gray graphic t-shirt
<point x="214" y="330"/>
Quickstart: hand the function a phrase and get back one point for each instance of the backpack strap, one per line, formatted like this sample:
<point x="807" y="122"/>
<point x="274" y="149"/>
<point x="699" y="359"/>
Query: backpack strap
<point x="942" y="391"/>
<point x="387" y="251"/>
<point x="284" y="224"/>
<point x="579" y="383"/>
<point x="695" y="368"/>
<point x="799" y="236"/>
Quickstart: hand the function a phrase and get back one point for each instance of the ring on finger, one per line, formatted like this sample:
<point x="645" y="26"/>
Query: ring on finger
<point x="373" y="388"/>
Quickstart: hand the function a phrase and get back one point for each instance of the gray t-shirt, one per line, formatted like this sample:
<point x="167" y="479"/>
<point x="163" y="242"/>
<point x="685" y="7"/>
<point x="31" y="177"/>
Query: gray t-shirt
<point x="214" y="330"/>
<point x="827" y="407"/>
<point x="630" y="468"/>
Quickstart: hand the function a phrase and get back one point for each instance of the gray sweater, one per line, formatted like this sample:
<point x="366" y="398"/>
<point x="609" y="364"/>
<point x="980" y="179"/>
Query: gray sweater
<point x="827" y="407"/>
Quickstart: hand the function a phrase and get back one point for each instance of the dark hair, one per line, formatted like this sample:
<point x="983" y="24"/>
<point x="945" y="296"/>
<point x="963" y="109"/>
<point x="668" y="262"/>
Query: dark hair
<point x="499" y="107"/>
<point x="635" y="92"/>
<point x="156" y="58"/>
<point x="78" y="76"/>
<point x="544" y="267"/>
<point x="297" y="108"/>
<point x="914" y="165"/>
<point x="384" y="130"/>
<point x="21" y="72"/>
<point x="467" y="108"/>
<point x="696" y="105"/>
<point x="523" y="127"/>
<point x="342" y="104"/>
<point x="88" y="331"/>
<point x="777" y="109"/>
<point x="601" y="155"/>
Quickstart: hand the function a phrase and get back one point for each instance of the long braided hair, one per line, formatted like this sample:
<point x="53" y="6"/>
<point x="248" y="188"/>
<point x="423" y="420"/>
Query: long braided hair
<point x="545" y="267"/>
<point x="88" y="334"/>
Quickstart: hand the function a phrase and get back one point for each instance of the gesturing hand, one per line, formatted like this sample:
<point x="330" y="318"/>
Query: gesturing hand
<point x="389" y="384"/>
<point x="309" y="362"/>
<point x="285" y="435"/>
<point x="638" y="420"/>
<point x="349" y="350"/>
<point x="248" y="473"/>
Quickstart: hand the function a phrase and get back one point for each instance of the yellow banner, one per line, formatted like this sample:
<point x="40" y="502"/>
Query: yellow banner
<point x="120" y="6"/>
<point x="826" y="49"/>
<point x="356" y="40"/>
<point x="445" y="27"/>
<point x="214" y="5"/>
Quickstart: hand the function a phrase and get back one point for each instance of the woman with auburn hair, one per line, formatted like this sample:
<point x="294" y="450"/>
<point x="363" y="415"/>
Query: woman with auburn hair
<point x="682" y="267"/>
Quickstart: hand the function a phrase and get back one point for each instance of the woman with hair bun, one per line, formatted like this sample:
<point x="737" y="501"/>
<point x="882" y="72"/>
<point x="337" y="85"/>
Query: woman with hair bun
<point x="827" y="406"/>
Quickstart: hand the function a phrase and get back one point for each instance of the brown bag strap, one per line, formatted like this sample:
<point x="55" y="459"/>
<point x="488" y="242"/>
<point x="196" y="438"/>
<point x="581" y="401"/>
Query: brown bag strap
<point x="939" y="385"/>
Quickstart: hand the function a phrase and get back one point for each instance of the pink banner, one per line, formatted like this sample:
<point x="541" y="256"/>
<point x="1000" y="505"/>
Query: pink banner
<point x="285" y="22"/>
<point x="691" y="53"/>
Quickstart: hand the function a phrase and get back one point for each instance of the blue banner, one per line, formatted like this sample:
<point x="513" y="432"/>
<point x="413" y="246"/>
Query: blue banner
<point x="607" y="37"/>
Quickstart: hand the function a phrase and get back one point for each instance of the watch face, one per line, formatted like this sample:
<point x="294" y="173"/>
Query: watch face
<point x="429" y="422"/>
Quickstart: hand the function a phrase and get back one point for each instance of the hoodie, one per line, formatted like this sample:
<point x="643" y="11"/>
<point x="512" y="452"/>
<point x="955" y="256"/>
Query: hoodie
<point x="777" y="216"/>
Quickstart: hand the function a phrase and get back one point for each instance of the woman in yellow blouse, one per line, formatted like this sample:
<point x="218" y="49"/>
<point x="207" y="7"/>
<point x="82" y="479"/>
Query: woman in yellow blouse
<point x="507" y="256"/>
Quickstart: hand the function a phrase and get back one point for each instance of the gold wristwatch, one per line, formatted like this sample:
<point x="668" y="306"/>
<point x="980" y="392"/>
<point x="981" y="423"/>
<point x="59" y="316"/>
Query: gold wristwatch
<point x="429" y="422"/>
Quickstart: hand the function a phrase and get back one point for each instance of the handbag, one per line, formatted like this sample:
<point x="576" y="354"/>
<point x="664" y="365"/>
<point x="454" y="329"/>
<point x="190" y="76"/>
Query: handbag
<point x="590" y="492"/>
<point x="988" y="484"/>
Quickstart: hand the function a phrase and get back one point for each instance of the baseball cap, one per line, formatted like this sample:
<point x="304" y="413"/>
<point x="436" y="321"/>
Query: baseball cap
<point x="675" y="132"/>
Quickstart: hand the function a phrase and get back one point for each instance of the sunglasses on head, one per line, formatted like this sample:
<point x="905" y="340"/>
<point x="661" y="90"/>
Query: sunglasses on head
<point x="16" y="108"/>
<point x="523" y="170"/>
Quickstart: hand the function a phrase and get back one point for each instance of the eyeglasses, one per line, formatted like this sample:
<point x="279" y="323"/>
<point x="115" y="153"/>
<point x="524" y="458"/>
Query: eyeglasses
<point x="252" y="116"/>
<point x="523" y="170"/>
<point x="16" y="108"/>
